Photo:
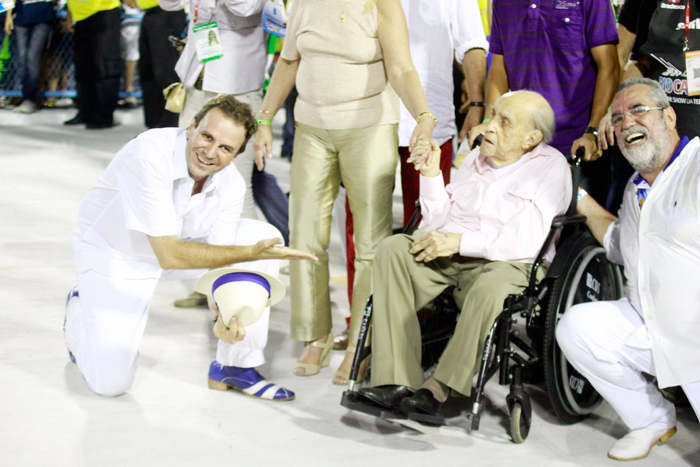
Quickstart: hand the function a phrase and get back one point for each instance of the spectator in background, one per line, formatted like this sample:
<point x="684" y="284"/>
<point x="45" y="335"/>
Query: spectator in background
<point x="131" y="23"/>
<point x="438" y="33"/>
<point x="564" y="50"/>
<point x="659" y="54"/>
<point x="157" y="59"/>
<point x="32" y="23"/>
<point x="97" y="58"/>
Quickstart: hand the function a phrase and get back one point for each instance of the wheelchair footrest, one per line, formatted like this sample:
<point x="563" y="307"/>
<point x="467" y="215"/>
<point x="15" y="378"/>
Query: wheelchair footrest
<point x="349" y="400"/>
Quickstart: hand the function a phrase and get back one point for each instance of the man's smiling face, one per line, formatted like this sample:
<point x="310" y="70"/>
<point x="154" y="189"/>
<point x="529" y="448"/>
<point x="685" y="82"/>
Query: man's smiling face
<point x="643" y="139"/>
<point x="213" y="144"/>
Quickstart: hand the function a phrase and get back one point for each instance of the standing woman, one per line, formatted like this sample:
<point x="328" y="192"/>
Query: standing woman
<point x="348" y="59"/>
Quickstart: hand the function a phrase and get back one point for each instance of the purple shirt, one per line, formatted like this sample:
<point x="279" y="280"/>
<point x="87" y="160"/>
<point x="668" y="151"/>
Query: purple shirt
<point x="546" y="48"/>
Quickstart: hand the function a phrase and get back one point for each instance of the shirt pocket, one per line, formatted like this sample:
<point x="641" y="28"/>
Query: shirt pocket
<point x="566" y="29"/>
<point x="524" y="191"/>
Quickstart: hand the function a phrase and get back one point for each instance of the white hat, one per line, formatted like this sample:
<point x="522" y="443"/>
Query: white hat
<point x="243" y="293"/>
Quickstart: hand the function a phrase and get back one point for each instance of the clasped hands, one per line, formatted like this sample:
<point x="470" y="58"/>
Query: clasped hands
<point x="425" y="157"/>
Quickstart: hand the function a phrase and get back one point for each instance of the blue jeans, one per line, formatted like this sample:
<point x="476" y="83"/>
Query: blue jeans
<point x="31" y="41"/>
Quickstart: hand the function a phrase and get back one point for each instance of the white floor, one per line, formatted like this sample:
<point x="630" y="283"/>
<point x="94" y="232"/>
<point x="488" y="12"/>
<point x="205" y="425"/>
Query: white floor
<point x="48" y="417"/>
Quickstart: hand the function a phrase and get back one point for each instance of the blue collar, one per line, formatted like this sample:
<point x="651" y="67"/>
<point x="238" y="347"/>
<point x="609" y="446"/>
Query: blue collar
<point x="681" y="145"/>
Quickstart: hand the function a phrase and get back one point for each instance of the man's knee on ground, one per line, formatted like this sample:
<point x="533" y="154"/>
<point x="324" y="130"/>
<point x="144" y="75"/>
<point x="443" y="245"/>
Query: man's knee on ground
<point x="110" y="377"/>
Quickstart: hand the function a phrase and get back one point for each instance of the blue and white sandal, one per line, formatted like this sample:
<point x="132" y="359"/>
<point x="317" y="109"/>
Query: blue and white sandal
<point x="247" y="381"/>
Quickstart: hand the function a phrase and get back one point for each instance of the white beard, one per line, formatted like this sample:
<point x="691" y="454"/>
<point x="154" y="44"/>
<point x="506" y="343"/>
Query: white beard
<point x="646" y="156"/>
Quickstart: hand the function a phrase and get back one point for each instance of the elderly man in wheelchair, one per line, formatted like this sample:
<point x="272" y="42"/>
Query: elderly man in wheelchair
<point x="480" y="234"/>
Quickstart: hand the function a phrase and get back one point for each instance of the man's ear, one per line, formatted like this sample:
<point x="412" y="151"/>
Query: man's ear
<point x="190" y="130"/>
<point x="670" y="118"/>
<point x="534" y="138"/>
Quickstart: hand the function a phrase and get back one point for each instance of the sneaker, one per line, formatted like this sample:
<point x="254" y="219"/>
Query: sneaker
<point x="638" y="443"/>
<point x="246" y="380"/>
<point x="26" y="107"/>
<point x="72" y="295"/>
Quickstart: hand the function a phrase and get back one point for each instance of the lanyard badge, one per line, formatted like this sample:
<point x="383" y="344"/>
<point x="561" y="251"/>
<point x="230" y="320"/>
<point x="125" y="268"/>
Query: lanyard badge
<point x="207" y="42"/>
<point x="692" y="58"/>
<point x="274" y="19"/>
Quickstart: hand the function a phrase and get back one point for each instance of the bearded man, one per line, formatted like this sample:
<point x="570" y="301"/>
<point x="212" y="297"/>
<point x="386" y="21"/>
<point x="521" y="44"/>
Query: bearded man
<point x="655" y="329"/>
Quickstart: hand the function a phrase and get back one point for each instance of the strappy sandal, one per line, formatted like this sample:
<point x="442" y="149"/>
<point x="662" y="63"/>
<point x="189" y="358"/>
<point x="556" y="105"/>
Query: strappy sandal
<point x="311" y="369"/>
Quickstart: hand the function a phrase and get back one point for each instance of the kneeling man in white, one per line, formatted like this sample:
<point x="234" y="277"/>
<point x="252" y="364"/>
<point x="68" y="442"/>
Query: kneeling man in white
<point x="168" y="207"/>
<point x="655" y="329"/>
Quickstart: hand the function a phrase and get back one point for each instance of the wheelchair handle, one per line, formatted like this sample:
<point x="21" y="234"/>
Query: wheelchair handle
<point x="575" y="179"/>
<point x="477" y="141"/>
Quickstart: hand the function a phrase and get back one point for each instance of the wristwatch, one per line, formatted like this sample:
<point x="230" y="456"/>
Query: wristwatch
<point x="592" y="130"/>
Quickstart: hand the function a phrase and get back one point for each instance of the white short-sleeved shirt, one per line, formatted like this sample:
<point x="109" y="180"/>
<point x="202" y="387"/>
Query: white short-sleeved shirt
<point x="659" y="245"/>
<point x="439" y="32"/>
<point x="146" y="191"/>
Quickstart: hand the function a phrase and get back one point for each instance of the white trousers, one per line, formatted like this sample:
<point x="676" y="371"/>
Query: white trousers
<point x="194" y="101"/>
<point x="105" y="324"/>
<point x="593" y="337"/>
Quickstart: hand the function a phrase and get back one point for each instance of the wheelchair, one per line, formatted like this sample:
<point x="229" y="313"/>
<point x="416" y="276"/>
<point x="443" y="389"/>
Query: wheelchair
<point x="579" y="273"/>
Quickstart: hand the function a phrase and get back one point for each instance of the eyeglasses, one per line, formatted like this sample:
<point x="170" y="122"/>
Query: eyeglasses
<point x="636" y="112"/>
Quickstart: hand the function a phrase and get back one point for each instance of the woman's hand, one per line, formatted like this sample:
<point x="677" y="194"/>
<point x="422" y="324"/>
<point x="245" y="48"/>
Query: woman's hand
<point x="419" y="144"/>
<point x="262" y="145"/>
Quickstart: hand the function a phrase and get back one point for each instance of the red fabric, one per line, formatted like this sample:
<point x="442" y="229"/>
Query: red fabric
<point x="410" y="185"/>
<point x="349" y="237"/>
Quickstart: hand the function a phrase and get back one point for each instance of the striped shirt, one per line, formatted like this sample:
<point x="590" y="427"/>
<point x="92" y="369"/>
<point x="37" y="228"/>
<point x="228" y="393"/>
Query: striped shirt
<point x="546" y="48"/>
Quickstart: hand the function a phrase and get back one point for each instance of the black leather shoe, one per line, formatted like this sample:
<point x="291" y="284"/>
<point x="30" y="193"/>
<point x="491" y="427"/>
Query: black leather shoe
<point x="388" y="396"/>
<point x="422" y="402"/>
<point x="77" y="120"/>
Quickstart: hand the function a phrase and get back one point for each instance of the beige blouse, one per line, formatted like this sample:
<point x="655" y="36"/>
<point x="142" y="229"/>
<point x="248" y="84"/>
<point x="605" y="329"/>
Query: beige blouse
<point x="341" y="79"/>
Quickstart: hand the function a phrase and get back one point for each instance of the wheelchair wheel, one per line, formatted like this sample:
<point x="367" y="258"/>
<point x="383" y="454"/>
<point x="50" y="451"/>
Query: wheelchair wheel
<point x="589" y="277"/>
<point x="519" y="425"/>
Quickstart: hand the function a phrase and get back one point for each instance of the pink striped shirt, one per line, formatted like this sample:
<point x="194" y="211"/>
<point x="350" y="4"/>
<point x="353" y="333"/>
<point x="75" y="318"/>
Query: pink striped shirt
<point x="501" y="218"/>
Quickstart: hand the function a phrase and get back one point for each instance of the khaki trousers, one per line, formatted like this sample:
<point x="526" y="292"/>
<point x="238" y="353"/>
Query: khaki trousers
<point x="403" y="286"/>
<point x="364" y="160"/>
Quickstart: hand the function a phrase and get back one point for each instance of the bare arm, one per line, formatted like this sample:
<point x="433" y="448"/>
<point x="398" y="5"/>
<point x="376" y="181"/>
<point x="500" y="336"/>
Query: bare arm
<point x="173" y="253"/>
<point x="605" y="58"/>
<point x="474" y="67"/>
<point x="283" y="79"/>
<point x="624" y="46"/>
<point x="633" y="69"/>
<point x="9" y="21"/>
<point x="496" y="86"/>
<point x="402" y="75"/>
<point x="597" y="218"/>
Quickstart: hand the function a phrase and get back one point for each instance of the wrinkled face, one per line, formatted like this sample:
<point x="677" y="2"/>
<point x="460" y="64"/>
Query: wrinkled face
<point x="643" y="139"/>
<point x="508" y="134"/>
<point x="213" y="144"/>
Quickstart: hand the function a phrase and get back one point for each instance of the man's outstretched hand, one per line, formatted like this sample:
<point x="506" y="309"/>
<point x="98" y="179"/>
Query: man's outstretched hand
<point x="268" y="249"/>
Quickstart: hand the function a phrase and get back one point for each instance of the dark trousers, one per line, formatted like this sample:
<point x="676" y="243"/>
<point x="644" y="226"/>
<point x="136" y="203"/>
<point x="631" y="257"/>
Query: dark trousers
<point x="157" y="63"/>
<point x="98" y="65"/>
<point x="31" y="42"/>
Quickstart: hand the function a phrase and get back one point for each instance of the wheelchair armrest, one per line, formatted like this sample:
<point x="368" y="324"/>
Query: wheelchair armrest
<point x="561" y="221"/>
